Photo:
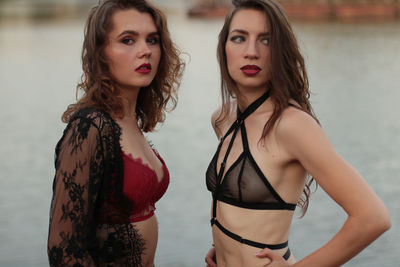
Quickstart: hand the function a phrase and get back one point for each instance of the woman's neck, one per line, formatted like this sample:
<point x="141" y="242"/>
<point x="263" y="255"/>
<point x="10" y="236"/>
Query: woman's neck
<point x="245" y="98"/>
<point x="129" y="100"/>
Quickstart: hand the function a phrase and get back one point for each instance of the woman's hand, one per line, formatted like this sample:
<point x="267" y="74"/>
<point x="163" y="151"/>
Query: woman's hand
<point x="276" y="260"/>
<point x="210" y="258"/>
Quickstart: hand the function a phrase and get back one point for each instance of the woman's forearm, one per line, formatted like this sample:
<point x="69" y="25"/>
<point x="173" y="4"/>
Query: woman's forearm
<point x="356" y="234"/>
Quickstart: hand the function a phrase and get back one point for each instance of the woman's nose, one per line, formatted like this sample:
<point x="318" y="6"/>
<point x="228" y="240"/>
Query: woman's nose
<point x="251" y="50"/>
<point x="144" y="50"/>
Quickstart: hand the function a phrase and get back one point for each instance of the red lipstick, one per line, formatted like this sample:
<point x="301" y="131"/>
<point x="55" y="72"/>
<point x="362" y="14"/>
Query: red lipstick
<point x="144" y="68"/>
<point x="250" y="70"/>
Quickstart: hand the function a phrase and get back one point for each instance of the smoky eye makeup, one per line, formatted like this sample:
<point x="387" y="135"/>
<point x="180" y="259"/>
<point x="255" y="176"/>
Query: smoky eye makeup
<point x="153" y="39"/>
<point x="127" y="40"/>
<point x="237" y="38"/>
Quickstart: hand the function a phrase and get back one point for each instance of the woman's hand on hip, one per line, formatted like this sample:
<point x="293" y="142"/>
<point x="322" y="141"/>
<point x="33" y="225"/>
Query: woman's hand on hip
<point x="276" y="259"/>
<point x="210" y="258"/>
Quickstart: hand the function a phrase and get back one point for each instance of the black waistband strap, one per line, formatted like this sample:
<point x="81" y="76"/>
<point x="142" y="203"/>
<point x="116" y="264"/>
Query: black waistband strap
<point x="286" y="256"/>
<point x="246" y="241"/>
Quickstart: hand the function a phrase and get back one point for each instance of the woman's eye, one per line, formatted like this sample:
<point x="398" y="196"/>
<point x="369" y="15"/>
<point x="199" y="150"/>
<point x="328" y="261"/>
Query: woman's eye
<point x="127" y="41"/>
<point x="266" y="41"/>
<point x="237" y="39"/>
<point x="152" y="40"/>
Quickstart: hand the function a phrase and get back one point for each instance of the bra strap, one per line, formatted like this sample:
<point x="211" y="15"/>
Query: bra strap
<point x="221" y="173"/>
<point x="241" y="116"/>
<point x="252" y="107"/>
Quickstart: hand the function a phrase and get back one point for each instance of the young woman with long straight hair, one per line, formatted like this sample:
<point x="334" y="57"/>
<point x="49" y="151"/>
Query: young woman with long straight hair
<point x="270" y="142"/>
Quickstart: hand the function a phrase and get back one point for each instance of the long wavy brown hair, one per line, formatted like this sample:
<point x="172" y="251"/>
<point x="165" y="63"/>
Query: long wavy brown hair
<point x="288" y="77"/>
<point x="99" y="89"/>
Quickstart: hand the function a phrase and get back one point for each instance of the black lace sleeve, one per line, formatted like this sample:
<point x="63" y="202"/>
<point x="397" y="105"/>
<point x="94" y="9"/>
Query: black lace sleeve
<point x="79" y="156"/>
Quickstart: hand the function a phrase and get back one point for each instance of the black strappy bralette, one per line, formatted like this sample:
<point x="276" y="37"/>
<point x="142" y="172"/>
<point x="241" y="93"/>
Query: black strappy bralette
<point x="244" y="184"/>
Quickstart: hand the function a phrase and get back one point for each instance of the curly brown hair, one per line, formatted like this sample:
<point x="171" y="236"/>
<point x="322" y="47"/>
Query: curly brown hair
<point x="288" y="78"/>
<point x="99" y="89"/>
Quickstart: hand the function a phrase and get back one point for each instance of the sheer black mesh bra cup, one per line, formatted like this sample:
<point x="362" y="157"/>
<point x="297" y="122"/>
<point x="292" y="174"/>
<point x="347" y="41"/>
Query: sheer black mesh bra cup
<point x="244" y="184"/>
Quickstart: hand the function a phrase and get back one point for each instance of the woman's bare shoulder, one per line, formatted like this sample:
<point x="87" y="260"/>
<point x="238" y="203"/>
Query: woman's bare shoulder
<point x="219" y="122"/>
<point x="294" y="121"/>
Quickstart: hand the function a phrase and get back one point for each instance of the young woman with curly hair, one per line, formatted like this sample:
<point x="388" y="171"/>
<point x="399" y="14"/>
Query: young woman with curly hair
<point x="108" y="178"/>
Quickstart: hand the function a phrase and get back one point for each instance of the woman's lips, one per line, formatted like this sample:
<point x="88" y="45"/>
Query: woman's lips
<point x="144" y="68"/>
<point x="250" y="70"/>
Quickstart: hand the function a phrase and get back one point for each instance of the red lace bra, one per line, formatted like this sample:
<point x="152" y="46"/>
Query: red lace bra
<point x="141" y="185"/>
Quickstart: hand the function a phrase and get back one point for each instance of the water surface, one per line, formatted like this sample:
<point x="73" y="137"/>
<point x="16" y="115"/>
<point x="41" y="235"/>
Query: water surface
<point x="354" y="75"/>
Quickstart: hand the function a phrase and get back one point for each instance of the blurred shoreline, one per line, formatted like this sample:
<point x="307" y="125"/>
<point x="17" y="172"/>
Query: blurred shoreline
<point x="43" y="10"/>
<point x="298" y="10"/>
<point x="316" y="10"/>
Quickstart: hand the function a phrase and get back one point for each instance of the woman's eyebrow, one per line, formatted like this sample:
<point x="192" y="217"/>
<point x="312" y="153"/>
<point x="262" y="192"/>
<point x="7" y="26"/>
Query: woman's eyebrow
<point x="131" y="32"/>
<point x="239" y="31"/>
<point x="265" y="34"/>
<point x="246" y="32"/>
<point x="128" y="32"/>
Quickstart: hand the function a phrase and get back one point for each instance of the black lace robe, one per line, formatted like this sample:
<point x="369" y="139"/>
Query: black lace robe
<point x="89" y="214"/>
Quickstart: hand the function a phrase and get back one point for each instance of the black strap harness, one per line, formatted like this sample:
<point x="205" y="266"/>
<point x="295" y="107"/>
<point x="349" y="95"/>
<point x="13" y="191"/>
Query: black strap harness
<point x="238" y="124"/>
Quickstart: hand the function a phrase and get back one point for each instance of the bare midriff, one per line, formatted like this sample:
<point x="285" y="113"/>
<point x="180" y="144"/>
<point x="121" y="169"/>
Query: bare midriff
<point x="148" y="230"/>
<point x="263" y="226"/>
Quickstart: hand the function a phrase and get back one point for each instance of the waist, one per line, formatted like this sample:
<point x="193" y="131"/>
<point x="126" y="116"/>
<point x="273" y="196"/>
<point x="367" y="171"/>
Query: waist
<point x="230" y="253"/>
<point x="256" y="205"/>
<point x="142" y="214"/>
<point x="271" y="226"/>
<point x="133" y="219"/>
